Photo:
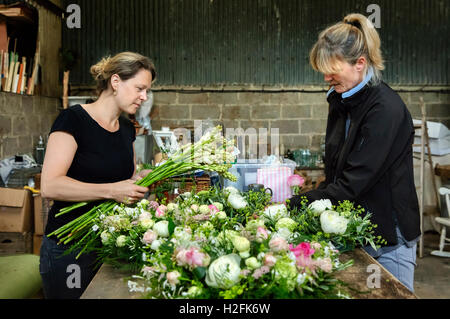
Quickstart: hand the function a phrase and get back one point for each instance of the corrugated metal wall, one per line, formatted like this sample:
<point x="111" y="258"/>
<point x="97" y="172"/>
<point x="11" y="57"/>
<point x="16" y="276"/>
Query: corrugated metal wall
<point x="204" y="42"/>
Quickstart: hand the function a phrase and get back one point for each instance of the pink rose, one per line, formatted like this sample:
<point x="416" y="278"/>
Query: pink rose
<point x="161" y="211"/>
<point x="324" y="264"/>
<point x="261" y="233"/>
<point x="149" y="236"/>
<point x="172" y="277"/>
<point x="269" y="260"/>
<point x="192" y="257"/>
<point x="278" y="244"/>
<point x="302" y="249"/>
<point x="306" y="262"/>
<point x="295" y="180"/>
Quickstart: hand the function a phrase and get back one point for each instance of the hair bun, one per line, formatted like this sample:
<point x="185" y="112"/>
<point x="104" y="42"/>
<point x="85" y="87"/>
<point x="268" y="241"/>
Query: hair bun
<point x="98" y="70"/>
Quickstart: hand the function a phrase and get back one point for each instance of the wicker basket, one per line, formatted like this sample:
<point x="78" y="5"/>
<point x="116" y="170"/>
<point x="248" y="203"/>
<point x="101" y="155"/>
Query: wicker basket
<point x="183" y="185"/>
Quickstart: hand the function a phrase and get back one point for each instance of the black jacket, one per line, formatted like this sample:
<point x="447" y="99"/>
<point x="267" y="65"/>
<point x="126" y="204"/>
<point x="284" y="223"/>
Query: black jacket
<point x="373" y="167"/>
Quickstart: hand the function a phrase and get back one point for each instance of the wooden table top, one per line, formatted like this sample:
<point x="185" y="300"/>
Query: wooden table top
<point x="111" y="283"/>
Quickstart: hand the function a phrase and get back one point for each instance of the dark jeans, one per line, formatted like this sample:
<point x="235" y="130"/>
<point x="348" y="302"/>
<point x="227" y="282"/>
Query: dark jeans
<point x="64" y="277"/>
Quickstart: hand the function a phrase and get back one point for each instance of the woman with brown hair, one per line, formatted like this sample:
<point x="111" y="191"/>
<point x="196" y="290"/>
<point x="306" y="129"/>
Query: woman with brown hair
<point x="90" y="157"/>
<point x="368" y="143"/>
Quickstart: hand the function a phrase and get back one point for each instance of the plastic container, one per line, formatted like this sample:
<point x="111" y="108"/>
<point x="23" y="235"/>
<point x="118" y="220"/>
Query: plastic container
<point x="246" y="172"/>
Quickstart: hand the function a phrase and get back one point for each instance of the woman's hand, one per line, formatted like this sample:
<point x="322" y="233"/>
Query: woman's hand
<point x="127" y="192"/>
<point x="141" y="174"/>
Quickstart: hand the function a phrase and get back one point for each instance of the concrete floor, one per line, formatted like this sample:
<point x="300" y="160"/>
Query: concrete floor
<point x="432" y="274"/>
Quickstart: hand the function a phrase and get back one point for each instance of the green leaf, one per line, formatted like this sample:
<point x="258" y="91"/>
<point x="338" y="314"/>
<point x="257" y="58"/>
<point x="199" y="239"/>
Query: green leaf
<point x="171" y="226"/>
<point x="199" y="272"/>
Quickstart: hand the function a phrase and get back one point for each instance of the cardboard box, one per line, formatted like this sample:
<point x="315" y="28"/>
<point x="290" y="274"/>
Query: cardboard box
<point x="15" y="210"/>
<point x="37" y="241"/>
<point x="41" y="209"/>
<point x="16" y="243"/>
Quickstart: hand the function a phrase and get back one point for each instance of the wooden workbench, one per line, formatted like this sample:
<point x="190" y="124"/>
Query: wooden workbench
<point x="110" y="283"/>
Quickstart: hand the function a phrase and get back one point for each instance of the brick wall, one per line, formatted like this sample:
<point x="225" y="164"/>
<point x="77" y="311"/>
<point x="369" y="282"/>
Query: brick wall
<point x="299" y="116"/>
<point x="22" y="119"/>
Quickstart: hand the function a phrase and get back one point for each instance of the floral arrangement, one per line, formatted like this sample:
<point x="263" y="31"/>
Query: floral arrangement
<point x="228" y="244"/>
<point x="212" y="152"/>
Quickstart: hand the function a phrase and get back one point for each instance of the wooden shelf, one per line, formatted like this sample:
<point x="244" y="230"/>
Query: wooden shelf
<point x="18" y="13"/>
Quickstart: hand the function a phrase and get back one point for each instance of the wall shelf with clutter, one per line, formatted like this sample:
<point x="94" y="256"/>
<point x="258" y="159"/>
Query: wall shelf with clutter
<point x="19" y="49"/>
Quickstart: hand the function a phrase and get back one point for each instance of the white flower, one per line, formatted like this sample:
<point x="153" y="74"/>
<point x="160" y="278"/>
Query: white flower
<point x="162" y="228"/>
<point x="121" y="240"/>
<point x="172" y="277"/>
<point x="111" y="229"/>
<point x="204" y="209"/>
<point x="286" y="222"/>
<point x="218" y="205"/>
<point x="284" y="233"/>
<point x="155" y="244"/>
<point x="237" y="201"/>
<point x="224" y="272"/>
<point x="244" y="254"/>
<point x="252" y="263"/>
<point x="144" y="257"/>
<point x="319" y="206"/>
<point x="241" y="243"/>
<point x="105" y="237"/>
<point x="221" y="215"/>
<point x="171" y="207"/>
<point x="147" y="223"/>
<point x="332" y="222"/>
<point x="95" y="227"/>
<point x="275" y="212"/>
<point x="182" y="234"/>
<point x="301" y="278"/>
<point x="230" y="190"/>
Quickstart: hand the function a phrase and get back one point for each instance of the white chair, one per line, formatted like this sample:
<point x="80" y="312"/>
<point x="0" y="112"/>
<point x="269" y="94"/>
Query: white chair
<point x="445" y="222"/>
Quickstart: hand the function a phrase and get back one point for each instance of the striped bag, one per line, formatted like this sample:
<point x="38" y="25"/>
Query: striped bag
<point x="275" y="178"/>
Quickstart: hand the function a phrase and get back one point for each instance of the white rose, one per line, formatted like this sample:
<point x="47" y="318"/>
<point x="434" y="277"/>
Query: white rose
<point x="172" y="277"/>
<point x="283" y="233"/>
<point x="275" y="212"/>
<point x="181" y="234"/>
<point x="332" y="222"/>
<point x="120" y="241"/>
<point x="237" y="201"/>
<point x="319" y="206"/>
<point x="286" y="222"/>
<point x="224" y="272"/>
<point x="105" y="236"/>
<point x="147" y="223"/>
<point x="155" y="244"/>
<point x="230" y="190"/>
<point x="221" y="215"/>
<point x="241" y="243"/>
<point x="171" y="207"/>
<point x="203" y="209"/>
<point x="218" y="205"/>
<point x="162" y="228"/>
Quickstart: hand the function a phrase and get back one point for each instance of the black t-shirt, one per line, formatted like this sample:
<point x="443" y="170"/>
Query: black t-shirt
<point x="101" y="157"/>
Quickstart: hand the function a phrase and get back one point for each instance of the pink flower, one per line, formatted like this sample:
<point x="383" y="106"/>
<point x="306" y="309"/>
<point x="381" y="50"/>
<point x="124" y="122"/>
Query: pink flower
<point x="316" y="245"/>
<point x="200" y="217"/>
<point x="324" y="264"/>
<point x="260" y="271"/>
<point x="149" y="236"/>
<point x="213" y="209"/>
<point x="306" y="262"/>
<point x="245" y="272"/>
<point x="161" y="211"/>
<point x="278" y="244"/>
<point x="269" y="260"/>
<point x="192" y="257"/>
<point x="295" y="180"/>
<point x="302" y="249"/>
<point x="261" y="233"/>
<point x="172" y="277"/>
<point x="153" y="204"/>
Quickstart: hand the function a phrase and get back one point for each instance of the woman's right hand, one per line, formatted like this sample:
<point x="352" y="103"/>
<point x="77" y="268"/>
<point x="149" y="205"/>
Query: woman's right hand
<point x="127" y="192"/>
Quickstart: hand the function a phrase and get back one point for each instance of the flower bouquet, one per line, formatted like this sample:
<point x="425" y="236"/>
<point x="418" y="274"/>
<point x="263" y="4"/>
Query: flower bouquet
<point x="344" y="225"/>
<point x="211" y="153"/>
<point x="223" y="244"/>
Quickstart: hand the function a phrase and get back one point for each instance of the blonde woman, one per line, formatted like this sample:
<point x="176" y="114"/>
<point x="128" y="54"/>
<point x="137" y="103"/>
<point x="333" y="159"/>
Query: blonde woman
<point x="369" y="135"/>
<point x="90" y="157"/>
